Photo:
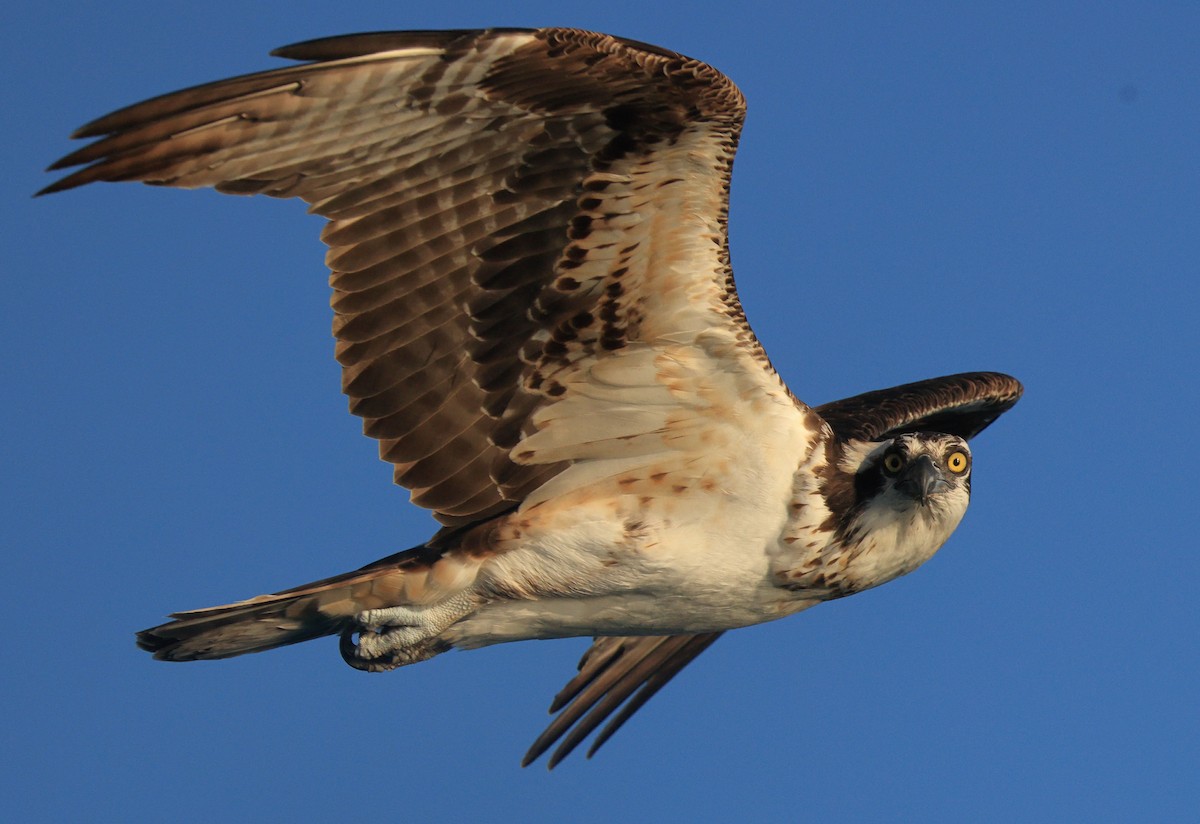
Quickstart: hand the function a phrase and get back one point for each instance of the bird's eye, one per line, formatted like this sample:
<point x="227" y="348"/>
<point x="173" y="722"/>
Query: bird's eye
<point x="957" y="462"/>
<point x="892" y="463"/>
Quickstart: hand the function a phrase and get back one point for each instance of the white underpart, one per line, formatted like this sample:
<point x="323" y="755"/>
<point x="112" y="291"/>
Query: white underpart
<point x="614" y="556"/>
<point x="702" y="575"/>
<point x="668" y="524"/>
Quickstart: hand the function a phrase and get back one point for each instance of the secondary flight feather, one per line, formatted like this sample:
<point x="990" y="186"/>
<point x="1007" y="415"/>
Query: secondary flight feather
<point x="536" y="318"/>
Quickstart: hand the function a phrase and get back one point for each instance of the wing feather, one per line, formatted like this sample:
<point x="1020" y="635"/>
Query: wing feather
<point x="613" y="670"/>
<point x="508" y="209"/>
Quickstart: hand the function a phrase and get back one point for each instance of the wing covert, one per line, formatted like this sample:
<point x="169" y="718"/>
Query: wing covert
<point x="506" y="208"/>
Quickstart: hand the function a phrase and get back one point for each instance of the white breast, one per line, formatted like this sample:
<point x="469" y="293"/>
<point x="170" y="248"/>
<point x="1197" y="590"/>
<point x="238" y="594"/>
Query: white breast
<point x="678" y="544"/>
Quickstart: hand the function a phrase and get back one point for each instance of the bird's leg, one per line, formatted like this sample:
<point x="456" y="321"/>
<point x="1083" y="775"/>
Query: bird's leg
<point x="395" y="636"/>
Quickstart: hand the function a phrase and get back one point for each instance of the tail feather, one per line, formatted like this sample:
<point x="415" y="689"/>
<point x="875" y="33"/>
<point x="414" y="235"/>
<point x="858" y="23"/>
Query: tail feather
<point x="325" y="607"/>
<point x="223" y="632"/>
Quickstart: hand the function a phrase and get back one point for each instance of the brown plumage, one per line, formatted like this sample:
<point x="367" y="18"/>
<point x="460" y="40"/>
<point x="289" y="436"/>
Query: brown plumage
<point x="533" y="305"/>
<point x="513" y="160"/>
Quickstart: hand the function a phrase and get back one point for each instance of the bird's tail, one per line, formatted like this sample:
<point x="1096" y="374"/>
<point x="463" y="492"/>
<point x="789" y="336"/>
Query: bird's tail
<point x="327" y="607"/>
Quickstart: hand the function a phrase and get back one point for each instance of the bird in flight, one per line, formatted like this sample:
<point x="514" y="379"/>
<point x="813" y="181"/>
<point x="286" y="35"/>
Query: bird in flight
<point x="536" y="318"/>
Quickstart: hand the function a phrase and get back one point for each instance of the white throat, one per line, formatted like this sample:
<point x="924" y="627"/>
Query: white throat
<point x="894" y="535"/>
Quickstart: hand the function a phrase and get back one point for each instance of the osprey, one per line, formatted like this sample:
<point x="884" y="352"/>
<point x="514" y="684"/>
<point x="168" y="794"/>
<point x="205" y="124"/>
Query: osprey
<point x="536" y="317"/>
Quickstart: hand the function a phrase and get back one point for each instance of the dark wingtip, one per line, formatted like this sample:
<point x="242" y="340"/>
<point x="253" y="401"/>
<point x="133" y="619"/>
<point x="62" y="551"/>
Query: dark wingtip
<point x="963" y="404"/>
<point x="157" y="645"/>
<point x="56" y="186"/>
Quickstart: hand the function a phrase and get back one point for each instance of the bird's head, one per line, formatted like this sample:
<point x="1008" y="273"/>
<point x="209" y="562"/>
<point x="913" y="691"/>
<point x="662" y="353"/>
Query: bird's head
<point x="909" y="494"/>
<point x="924" y="472"/>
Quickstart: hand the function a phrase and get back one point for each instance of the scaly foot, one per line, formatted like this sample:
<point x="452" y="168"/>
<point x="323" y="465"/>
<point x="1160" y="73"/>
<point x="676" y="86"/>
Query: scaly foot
<point x="395" y="636"/>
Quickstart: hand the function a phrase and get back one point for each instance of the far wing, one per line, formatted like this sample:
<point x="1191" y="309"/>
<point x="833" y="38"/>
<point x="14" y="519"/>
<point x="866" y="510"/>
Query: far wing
<point x="616" y="668"/>
<point x="964" y="404"/>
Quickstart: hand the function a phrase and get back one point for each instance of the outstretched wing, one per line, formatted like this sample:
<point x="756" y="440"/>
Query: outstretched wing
<point x="630" y="670"/>
<point x="963" y="405"/>
<point x="507" y="210"/>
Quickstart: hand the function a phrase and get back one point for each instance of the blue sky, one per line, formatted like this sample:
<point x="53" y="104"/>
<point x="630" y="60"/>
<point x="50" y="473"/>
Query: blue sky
<point x="921" y="189"/>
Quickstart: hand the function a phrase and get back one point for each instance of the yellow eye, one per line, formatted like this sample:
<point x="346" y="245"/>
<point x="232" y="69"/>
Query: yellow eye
<point x="892" y="463"/>
<point x="957" y="462"/>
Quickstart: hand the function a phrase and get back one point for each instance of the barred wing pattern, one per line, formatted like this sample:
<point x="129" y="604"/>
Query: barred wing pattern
<point x="505" y="207"/>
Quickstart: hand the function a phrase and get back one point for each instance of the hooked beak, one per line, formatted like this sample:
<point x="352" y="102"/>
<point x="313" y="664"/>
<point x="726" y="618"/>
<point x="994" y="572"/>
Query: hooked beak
<point x="922" y="479"/>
